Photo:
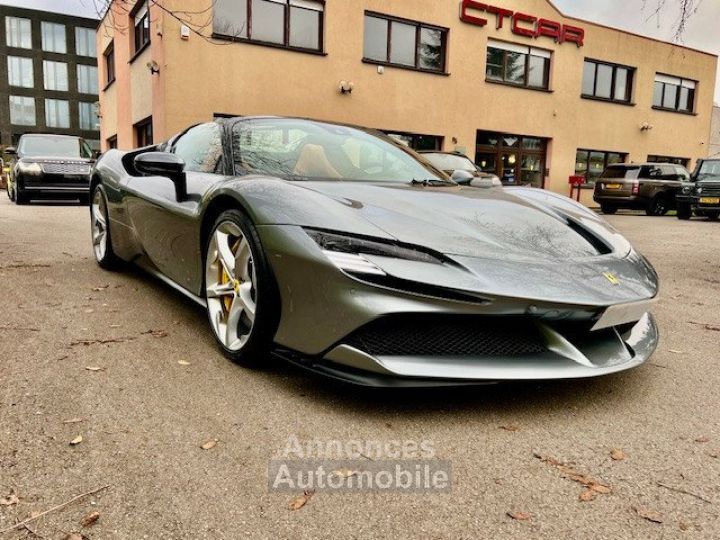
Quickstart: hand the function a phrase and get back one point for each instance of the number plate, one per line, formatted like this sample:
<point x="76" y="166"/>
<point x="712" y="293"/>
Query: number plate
<point x="709" y="200"/>
<point x="613" y="186"/>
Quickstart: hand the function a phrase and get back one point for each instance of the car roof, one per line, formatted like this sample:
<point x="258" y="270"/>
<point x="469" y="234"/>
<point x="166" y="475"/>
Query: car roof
<point x="646" y="164"/>
<point x="49" y="135"/>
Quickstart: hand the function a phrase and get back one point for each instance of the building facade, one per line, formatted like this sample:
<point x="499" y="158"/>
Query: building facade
<point x="525" y="91"/>
<point x="48" y="75"/>
<point x="715" y="133"/>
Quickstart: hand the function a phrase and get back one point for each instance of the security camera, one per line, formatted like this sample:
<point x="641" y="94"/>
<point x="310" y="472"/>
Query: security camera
<point x="153" y="67"/>
<point x="346" y="87"/>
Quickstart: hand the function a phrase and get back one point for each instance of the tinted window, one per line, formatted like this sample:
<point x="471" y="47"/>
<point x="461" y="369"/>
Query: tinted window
<point x="450" y="162"/>
<point x="49" y="146"/>
<point x="201" y="148"/>
<point x="629" y="173"/>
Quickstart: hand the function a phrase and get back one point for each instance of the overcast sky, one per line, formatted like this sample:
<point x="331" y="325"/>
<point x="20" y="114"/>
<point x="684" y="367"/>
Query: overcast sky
<point x="702" y="32"/>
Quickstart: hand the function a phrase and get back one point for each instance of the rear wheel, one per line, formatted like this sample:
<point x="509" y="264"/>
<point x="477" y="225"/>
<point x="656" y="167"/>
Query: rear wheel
<point x="240" y="290"/>
<point x="100" y="226"/>
<point x="658" y="206"/>
<point x="684" y="211"/>
<point x="608" y="209"/>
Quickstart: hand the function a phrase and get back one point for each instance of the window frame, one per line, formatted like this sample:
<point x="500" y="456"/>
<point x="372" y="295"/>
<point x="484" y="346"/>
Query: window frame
<point x="80" y="67"/>
<point x="34" y="102"/>
<point x="93" y="113"/>
<point x="528" y="54"/>
<point x="22" y="60"/>
<point x="144" y="124"/>
<point x="419" y="26"/>
<point x="20" y="33"/>
<point x="90" y="34"/>
<point x="108" y="54"/>
<point x="138" y="44"/>
<point x="43" y="25"/>
<point x="112" y="142"/>
<point x="630" y="84"/>
<point x="589" y="184"/>
<point x="45" y="63"/>
<point x="59" y="126"/>
<point x="679" y="87"/>
<point x="286" y="30"/>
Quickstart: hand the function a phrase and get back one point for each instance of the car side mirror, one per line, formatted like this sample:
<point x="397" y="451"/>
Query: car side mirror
<point x="164" y="164"/>
<point x="11" y="151"/>
<point x="462" y="177"/>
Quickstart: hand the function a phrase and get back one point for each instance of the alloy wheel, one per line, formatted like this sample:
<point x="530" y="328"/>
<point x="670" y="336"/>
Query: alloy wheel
<point x="99" y="225"/>
<point x="231" y="286"/>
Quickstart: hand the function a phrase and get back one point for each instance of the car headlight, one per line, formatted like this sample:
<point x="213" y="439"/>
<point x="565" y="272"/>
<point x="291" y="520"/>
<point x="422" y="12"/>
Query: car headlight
<point x="29" y="168"/>
<point x="698" y="190"/>
<point x="347" y="252"/>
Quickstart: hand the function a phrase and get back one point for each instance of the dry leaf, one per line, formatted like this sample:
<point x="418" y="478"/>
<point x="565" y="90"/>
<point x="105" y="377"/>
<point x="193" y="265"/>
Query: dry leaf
<point x="10" y="500"/>
<point x="510" y="428"/>
<point x="77" y="440"/>
<point x="599" y="488"/>
<point x="344" y="473"/>
<point x="702" y="440"/>
<point x="588" y="495"/>
<point x="650" y="515"/>
<point x="100" y="288"/>
<point x="73" y="421"/>
<point x="712" y="328"/>
<point x="617" y="455"/>
<point x="674" y="351"/>
<point x="301" y="500"/>
<point x="90" y="519"/>
<point x="183" y="362"/>
<point x="519" y="516"/>
<point x="94" y="368"/>
<point x="73" y="536"/>
<point x="209" y="444"/>
<point x="156" y="333"/>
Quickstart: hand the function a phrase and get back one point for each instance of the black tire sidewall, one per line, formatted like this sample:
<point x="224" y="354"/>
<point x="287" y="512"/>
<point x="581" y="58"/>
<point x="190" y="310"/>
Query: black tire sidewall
<point x="110" y="261"/>
<point x="255" y="352"/>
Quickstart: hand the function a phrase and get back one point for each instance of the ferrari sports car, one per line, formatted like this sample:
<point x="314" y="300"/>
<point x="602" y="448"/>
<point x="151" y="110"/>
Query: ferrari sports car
<point x="347" y="253"/>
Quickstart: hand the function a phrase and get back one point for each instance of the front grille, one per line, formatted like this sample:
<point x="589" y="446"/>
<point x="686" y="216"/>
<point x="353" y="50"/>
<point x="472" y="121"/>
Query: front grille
<point x="710" y="191"/>
<point x="65" y="168"/>
<point x="433" y="335"/>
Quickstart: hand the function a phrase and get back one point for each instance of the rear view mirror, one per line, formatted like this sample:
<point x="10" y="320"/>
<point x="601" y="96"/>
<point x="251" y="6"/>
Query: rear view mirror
<point x="462" y="177"/>
<point x="164" y="164"/>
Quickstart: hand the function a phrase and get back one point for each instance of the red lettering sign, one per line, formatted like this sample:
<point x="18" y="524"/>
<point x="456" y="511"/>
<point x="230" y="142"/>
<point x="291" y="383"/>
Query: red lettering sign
<point x="522" y="23"/>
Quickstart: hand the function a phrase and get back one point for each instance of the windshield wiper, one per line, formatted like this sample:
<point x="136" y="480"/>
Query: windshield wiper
<point x="430" y="182"/>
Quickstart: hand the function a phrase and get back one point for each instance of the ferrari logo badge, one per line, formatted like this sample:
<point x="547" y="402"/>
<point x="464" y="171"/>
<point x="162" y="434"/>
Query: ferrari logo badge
<point x="612" y="278"/>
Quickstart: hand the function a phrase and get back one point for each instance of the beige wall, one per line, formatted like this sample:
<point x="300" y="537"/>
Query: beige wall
<point x="201" y="78"/>
<point x="715" y="133"/>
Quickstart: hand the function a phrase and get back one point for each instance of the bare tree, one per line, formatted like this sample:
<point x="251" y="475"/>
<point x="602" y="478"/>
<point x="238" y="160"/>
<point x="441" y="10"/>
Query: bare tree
<point x="684" y="10"/>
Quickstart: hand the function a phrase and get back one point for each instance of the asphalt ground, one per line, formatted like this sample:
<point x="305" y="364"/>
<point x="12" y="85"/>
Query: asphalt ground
<point x="159" y="390"/>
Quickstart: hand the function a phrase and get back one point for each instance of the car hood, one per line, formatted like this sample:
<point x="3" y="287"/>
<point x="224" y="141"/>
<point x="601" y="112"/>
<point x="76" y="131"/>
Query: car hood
<point x="55" y="159"/>
<point x="467" y="221"/>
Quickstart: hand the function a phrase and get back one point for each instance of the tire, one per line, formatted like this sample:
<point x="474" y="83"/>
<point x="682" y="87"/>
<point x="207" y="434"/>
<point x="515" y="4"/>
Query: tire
<point x="100" y="232"/>
<point x="658" y="206"/>
<point x="684" y="211"/>
<point x="240" y="291"/>
<point x="10" y="193"/>
<point x="713" y="216"/>
<point x="20" y="197"/>
<point x="608" y="209"/>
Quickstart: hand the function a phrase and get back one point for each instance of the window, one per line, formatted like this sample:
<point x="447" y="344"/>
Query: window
<point x="417" y="142"/>
<point x="201" y="148"/>
<point x="89" y="120"/>
<point x="674" y="94"/>
<point x="404" y="43"/>
<point x="669" y="159"/>
<point x="57" y="113"/>
<point x="297" y="24"/>
<point x="109" y="56"/>
<point x="22" y="111"/>
<point x="607" y="81"/>
<point x="592" y="163"/>
<point x="144" y="132"/>
<point x="53" y="37"/>
<point x="515" y="159"/>
<point x="18" y="32"/>
<point x="20" y="72"/>
<point x="87" y="79"/>
<point x="141" y="25"/>
<point x="112" y="142"/>
<point x="85" y="44"/>
<point x="518" y="65"/>
<point x="55" y="75"/>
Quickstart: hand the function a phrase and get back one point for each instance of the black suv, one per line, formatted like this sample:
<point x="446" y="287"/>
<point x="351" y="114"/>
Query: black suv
<point x="643" y="186"/>
<point x="701" y="194"/>
<point x="49" y="166"/>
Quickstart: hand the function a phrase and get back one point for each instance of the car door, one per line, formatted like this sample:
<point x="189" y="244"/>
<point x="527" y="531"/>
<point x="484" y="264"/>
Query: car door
<point x="168" y="228"/>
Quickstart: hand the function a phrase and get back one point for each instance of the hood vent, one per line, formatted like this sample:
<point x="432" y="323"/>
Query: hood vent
<point x="591" y="238"/>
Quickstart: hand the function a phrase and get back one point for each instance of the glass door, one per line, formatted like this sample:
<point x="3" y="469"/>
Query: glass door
<point x="509" y="167"/>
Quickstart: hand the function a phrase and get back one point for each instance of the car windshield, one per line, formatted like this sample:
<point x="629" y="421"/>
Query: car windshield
<point x="308" y="150"/>
<point x="450" y="162"/>
<point x="53" y="146"/>
<point x="708" y="169"/>
<point x="629" y="173"/>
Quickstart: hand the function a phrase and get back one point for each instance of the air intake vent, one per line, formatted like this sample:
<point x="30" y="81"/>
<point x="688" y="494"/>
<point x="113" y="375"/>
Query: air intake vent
<point x="601" y="247"/>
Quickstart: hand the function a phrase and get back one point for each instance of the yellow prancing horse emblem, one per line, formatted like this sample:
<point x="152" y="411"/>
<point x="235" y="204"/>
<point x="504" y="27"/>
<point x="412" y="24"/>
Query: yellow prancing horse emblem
<point x="612" y="278"/>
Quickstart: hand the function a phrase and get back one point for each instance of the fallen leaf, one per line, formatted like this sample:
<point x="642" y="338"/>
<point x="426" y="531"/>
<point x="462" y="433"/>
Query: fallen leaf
<point x="156" y="333"/>
<point x="702" y="440"/>
<point x="301" y="500"/>
<point x="183" y="362"/>
<point x="89" y="311"/>
<point x="100" y="288"/>
<point x="648" y="514"/>
<point x="510" y="428"/>
<point x="344" y="473"/>
<point x="10" y="500"/>
<point x="588" y="495"/>
<point x="90" y="519"/>
<point x="519" y="516"/>
<point x="617" y="455"/>
<point x="599" y="488"/>
<point x="712" y="328"/>
<point x="77" y="440"/>
<point x="209" y="444"/>
<point x="94" y="368"/>
<point x="73" y="421"/>
<point x="676" y="351"/>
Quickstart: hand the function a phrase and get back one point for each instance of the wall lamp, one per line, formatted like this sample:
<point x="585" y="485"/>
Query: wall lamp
<point x="645" y="126"/>
<point x="346" y="87"/>
<point x="153" y="67"/>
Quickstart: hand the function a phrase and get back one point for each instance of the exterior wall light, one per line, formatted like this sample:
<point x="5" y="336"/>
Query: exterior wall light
<point x="645" y="126"/>
<point x="153" y="67"/>
<point x="346" y="87"/>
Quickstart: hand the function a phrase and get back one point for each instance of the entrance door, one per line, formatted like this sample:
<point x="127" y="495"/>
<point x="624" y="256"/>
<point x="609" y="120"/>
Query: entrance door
<point x="509" y="167"/>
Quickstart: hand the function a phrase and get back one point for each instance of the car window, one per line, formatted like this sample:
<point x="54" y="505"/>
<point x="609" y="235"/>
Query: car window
<point x="201" y="148"/>
<point x="629" y="173"/>
<point x="651" y="172"/>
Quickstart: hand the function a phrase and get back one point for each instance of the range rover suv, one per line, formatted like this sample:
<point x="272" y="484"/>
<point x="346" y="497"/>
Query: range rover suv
<point x="49" y="166"/>
<point x="701" y="195"/>
<point x="640" y="186"/>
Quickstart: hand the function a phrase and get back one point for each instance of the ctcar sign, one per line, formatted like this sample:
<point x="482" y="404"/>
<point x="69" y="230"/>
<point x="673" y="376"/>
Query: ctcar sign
<point x="522" y="23"/>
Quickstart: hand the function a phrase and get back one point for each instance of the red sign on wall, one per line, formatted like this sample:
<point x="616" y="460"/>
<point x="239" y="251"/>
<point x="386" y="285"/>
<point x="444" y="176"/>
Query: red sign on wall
<point x="521" y="24"/>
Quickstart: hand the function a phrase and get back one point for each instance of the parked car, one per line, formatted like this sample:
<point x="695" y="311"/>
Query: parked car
<point x="49" y="166"/>
<point x="340" y="250"/>
<point x="451" y="162"/>
<point x="643" y="186"/>
<point x="701" y="194"/>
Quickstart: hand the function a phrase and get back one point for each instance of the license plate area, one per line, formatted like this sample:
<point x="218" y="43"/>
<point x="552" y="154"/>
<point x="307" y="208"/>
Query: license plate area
<point x="709" y="200"/>
<point x="613" y="186"/>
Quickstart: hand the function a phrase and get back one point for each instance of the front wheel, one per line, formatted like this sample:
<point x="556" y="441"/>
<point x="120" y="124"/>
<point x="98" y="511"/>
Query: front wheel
<point x="658" y="206"/>
<point x="100" y="226"/>
<point x="713" y="216"/>
<point x="684" y="211"/>
<point x="240" y="290"/>
<point x="608" y="209"/>
<point x="19" y="196"/>
<point x="10" y="192"/>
